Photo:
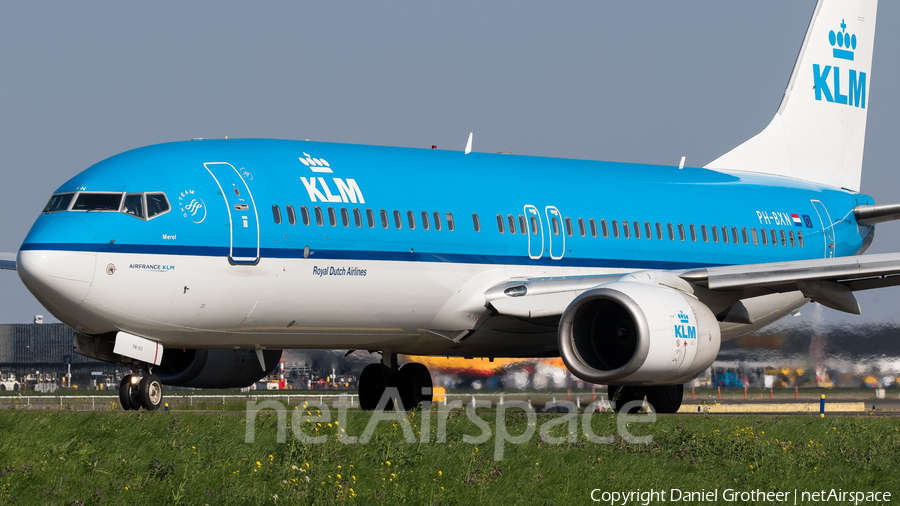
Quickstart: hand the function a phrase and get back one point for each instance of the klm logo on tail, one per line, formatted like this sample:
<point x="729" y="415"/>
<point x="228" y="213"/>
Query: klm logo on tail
<point x="828" y="79"/>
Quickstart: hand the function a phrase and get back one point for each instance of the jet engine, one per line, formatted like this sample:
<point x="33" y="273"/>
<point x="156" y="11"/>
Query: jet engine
<point x="214" y="368"/>
<point x="634" y="333"/>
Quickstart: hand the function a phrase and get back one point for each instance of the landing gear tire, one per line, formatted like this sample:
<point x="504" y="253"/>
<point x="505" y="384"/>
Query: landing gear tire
<point x="415" y="385"/>
<point x="150" y="392"/>
<point x="665" y="398"/>
<point x="372" y="383"/>
<point x="620" y="395"/>
<point x="128" y="393"/>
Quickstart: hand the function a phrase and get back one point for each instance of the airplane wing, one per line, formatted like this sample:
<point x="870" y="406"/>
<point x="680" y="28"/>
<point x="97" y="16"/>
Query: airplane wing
<point x="8" y="261"/>
<point x="828" y="281"/>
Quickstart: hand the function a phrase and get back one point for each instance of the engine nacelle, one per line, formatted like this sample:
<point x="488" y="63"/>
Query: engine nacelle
<point x="214" y="368"/>
<point x="637" y="334"/>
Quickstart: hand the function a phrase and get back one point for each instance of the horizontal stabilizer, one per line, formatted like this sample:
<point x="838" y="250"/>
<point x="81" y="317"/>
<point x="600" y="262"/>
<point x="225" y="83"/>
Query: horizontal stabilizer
<point x="8" y="261"/>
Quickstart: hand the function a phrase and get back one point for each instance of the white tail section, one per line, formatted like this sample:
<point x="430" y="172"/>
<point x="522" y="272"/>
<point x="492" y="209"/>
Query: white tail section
<point x="819" y="130"/>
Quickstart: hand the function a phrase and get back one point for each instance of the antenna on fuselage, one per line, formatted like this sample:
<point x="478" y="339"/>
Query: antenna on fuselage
<point x="469" y="144"/>
<point x="681" y="164"/>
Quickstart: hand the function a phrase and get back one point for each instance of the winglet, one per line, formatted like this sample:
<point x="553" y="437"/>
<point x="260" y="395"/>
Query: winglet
<point x="469" y="144"/>
<point x="8" y="261"/>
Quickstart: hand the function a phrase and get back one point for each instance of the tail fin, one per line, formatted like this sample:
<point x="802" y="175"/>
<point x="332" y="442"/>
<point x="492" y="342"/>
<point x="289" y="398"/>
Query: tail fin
<point x="819" y="130"/>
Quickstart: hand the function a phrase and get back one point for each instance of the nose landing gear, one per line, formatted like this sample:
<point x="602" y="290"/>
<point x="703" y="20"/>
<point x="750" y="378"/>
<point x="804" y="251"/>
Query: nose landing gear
<point x="136" y="392"/>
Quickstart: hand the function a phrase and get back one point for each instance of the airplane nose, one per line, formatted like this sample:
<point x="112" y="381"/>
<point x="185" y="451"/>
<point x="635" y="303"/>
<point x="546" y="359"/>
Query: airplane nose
<point x="53" y="269"/>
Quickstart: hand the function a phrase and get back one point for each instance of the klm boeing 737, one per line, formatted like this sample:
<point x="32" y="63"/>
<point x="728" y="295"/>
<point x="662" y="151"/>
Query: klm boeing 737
<point x="197" y="262"/>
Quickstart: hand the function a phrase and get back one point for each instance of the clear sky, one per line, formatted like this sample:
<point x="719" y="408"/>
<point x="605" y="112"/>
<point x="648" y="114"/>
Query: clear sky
<point x="644" y="81"/>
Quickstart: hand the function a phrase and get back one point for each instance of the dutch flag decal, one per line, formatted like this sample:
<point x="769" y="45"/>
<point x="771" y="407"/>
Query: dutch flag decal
<point x="796" y="218"/>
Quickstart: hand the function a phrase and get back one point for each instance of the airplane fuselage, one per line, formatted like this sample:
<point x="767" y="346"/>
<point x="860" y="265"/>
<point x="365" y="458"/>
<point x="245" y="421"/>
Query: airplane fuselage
<point x="366" y="257"/>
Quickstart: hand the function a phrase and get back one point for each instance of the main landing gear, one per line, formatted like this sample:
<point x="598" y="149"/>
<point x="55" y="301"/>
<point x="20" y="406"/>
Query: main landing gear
<point x="662" y="398"/>
<point x="412" y="383"/>
<point x="136" y="392"/>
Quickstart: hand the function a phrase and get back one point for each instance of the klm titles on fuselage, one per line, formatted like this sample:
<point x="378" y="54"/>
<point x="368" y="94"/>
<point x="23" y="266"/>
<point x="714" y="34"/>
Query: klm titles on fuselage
<point x="319" y="189"/>
<point x="827" y="79"/>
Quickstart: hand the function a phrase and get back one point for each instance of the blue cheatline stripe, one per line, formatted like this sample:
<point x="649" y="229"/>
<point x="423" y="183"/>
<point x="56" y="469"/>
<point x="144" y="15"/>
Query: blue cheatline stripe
<point x="327" y="254"/>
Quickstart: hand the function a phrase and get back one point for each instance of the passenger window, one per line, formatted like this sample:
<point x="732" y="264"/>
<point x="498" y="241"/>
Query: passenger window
<point x="637" y="230"/>
<point x="605" y="228"/>
<point x="384" y="219"/>
<point x="61" y="203"/>
<point x="97" y="202"/>
<point x="476" y="222"/>
<point x="581" y="229"/>
<point x="725" y="235"/>
<point x="398" y="220"/>
<point x="500" y="223"/>
<point x="568" y="226"/>
<point x="648" y="230"/>
<point x="370" y="218"/>
<point x="156" y="204"/>
<point x="615" y="227"/>
<point x="791" y="236"/>
<point x="523" y="225"/>
<point x="764" y="236"/>
<point x="626" y="232"/>
<point x="774" y="238"/>
<point x="512" y="223"/>
<point x="783" y="240"/>
<point x="276" y="213"/>
<point x="332" y="217"/>
<point x="450" y="225"/>
<point x="693" y="233"/>
<point x="734" y="235"/>
<point x="304" y="215"/>
<point x="658" y="231"/>
<point x="345" y="217"/>
<point x="593" y="225"/>
<point x="357" y="217"/>
<point x="671" y="231"/>
<point x="425" y="220"/>
<point x="754" y="235"/>
<point x="681" y="231"/>
<point x="800" y="238"/>
<point x="319" y="220"/>
<point x="437" y="221"/>
<point x="133" y="205"/>
<point x="715" y="233"/>
<point x="554" y="225"/>
<point x="704" y="233"/>
<point x="292" y="216"/>
<point x="411" y="219"/>
<point x="744" y="235"/>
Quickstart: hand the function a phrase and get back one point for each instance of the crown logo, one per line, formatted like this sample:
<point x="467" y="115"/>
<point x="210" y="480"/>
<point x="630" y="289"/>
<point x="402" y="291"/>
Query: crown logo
<point x="845" y="43"/>
<point x="316" y="164"/>
<point x="683" y="317"/>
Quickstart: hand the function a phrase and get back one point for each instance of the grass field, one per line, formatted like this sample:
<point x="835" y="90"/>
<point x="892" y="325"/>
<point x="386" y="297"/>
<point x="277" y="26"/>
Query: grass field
<point x="59" y="457"/>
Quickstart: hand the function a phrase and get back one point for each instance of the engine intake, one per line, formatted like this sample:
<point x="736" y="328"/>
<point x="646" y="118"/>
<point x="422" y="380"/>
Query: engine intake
<point x="637" y="333"/>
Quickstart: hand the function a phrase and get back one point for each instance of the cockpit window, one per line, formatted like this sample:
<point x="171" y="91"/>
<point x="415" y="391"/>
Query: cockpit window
<point x="156" y="204"/>
<point x="97" y="202"/>
<point x="134" y="205"/>
<point x="58" y="203"/>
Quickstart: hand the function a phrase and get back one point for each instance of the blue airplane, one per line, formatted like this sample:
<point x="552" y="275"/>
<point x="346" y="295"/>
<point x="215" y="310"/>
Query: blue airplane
<point x="196" y="263"/>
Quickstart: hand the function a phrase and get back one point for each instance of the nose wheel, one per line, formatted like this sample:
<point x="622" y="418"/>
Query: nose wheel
<point x="136" y="392"/>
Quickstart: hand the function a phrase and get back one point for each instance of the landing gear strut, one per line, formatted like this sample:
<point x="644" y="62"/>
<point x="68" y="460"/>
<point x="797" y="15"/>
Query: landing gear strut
<point x="136" y="392"/>
<point x="412" y="381"/>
